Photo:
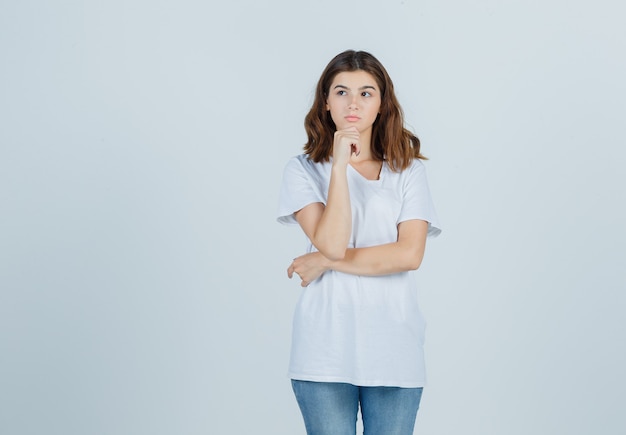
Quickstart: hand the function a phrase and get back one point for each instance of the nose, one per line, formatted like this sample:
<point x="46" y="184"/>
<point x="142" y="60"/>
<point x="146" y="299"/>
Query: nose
<point x="353" y="103"/>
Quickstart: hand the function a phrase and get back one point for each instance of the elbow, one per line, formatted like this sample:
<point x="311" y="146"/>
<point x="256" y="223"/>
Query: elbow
<point x="333" y="254"/>
<point x="414" y="261"/>
<point x="414" y="264"/>
<point x="332" y="249"/>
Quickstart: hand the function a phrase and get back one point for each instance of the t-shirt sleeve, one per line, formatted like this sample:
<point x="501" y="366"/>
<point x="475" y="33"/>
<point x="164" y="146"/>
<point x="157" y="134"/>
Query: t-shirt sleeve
<point x="416" y="200"/>
<point x="296" y="191"/>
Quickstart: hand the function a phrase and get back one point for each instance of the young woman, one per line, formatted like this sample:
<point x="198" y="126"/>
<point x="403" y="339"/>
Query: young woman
<point x="360" y="194"/>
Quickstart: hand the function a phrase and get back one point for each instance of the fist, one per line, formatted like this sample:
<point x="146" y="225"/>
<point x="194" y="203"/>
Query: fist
<point x="346" y="143"/>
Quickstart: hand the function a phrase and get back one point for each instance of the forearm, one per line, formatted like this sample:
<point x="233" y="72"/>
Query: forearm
<point x="359" y="261"/>
<point x="403" y="255"/>
<point x="379" y="260"/>
<point x="335" y="226"/>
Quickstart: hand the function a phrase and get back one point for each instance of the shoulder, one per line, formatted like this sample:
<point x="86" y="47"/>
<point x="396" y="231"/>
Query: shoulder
<point x="300" y="160"/>
<point x="302" y="163"/>
<point x="415" y="169"/>
<point x="295" y="163"/>
<point x="417" y="165"/>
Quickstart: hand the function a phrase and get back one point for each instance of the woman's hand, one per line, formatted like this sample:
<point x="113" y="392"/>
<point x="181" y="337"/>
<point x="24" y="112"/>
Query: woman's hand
<point x="345" y="143"/>
<point x="308" y="267"/>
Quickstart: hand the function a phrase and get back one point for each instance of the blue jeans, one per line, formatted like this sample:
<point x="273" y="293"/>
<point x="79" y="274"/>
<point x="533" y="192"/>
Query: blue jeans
<point x="330" y="408"/>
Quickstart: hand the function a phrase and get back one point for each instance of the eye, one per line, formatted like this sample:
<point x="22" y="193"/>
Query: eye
<point x="365" y="94"/>
<point x="341" y="92"/>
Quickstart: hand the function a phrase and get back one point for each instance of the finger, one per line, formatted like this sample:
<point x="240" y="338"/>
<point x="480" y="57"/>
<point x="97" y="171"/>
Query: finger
<point x="304" y="284"/>
<point x="290" y="271"/>
<point x="356" y="149"/>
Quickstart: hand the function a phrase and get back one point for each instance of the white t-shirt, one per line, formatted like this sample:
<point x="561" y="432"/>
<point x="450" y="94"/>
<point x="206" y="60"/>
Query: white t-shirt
<point x="361" y="330"/>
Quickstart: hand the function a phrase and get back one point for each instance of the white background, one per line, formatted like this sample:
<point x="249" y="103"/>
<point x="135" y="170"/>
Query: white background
<point x="142" y="273"/>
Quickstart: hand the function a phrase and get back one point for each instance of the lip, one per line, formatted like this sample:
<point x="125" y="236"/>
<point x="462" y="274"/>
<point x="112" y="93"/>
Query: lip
<point x="352" y="118"/>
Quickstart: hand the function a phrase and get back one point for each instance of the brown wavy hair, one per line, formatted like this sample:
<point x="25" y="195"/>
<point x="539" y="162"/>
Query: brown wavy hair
<point x="391" y="142"/>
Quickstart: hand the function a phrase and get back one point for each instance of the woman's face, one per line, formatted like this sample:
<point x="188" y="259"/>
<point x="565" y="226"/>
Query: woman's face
<point x="354" y="100"/>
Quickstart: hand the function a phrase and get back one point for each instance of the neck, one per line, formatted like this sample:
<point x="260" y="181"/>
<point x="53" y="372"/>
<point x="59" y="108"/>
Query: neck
<point x="362" y="157"/>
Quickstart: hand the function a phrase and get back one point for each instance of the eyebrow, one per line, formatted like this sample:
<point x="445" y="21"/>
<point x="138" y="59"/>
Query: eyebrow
<point x="360" y="89"/>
